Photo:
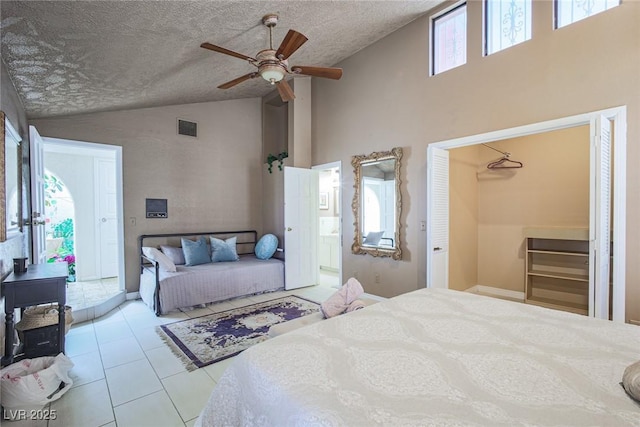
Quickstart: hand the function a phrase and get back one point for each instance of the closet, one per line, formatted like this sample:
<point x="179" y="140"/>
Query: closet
<point x="519" y="218"/>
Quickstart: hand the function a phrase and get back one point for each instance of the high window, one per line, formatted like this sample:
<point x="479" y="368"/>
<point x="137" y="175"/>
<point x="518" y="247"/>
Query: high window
<point x="449" y="37"/>
<point x="507" y="23"/>
<point x="570" y="11"/>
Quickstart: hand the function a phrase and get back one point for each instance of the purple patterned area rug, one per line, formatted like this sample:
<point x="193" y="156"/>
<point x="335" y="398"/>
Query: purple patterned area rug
<point x="204" y="340"/>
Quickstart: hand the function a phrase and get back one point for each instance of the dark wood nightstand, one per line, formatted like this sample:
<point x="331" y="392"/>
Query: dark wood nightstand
<point x="40" y="284"/>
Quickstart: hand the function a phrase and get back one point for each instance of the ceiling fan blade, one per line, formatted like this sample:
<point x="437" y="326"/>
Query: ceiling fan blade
<point x="286" y="93"/>
<point x="326" y="72"/>
<point x="219" y="49"/>
<point x="292" y="41"/>
<point x="240" y="79"/>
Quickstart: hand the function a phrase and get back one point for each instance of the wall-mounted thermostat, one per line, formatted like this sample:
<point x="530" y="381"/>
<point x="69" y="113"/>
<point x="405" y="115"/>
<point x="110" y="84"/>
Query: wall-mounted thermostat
<point x="156" y="208"/>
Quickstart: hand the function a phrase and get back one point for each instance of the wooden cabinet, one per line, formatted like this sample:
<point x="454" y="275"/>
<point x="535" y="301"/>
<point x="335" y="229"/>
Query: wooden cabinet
<point x="40" y="284"/>
<point x="329" y="252"/>
<point x="557" y="268"/>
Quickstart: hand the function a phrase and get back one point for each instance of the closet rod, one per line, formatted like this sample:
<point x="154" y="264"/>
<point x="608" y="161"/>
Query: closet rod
<point x="504" y="153"/>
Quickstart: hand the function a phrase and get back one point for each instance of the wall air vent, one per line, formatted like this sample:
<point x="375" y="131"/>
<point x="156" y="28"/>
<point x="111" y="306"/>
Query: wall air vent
<point x="187" y="128"/>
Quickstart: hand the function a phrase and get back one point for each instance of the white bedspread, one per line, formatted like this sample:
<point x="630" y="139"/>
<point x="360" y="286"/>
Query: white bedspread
<point x="434" y="357"/>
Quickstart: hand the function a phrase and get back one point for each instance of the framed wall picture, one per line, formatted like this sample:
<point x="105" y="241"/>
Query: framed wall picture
<point x="324" y="200"/>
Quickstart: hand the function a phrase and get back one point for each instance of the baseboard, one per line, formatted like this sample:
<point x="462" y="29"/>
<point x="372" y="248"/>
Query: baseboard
<point x="133" y="295"/>
<point x="497" y="292"/>
<point x="634" y="322"/>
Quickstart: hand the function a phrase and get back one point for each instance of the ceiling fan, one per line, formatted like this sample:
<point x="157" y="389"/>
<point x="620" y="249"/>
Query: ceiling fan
<point x="273" y="65"/>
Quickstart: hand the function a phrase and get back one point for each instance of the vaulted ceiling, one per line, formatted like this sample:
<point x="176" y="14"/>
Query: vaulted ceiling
<point x="70" y="57"/>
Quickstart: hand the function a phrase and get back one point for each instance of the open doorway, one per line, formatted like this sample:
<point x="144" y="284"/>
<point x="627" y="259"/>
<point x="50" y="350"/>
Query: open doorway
<point x="494" y="203"/>
<point x="601" y="236"/>
<point x="329" y="225"/>
<point x="60" y="221"/>
<point x="80" y="189"/>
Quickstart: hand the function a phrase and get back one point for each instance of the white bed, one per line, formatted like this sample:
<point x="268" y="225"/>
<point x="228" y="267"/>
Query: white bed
<point x="434" y="357"/>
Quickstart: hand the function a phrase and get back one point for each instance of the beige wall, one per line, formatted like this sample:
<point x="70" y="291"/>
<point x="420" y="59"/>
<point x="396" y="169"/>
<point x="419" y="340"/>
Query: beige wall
<point x="212" y="183"/>
<point x="386" y="98"/>
<point x="274" y="133"/>
<point x="463" y="217"/>
<point x="551" y="190"/>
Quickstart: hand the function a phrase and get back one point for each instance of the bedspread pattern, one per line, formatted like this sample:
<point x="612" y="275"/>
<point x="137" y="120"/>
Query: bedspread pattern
<point x="434" y="357"/>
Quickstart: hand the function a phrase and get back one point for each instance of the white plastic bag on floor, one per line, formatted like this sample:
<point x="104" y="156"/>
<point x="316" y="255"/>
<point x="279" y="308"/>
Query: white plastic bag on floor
<point x="32" y="383"/>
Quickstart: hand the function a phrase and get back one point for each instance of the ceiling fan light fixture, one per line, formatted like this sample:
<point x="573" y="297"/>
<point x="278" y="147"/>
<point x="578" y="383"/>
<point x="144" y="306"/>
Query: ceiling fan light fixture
<point x="272" y="73"/>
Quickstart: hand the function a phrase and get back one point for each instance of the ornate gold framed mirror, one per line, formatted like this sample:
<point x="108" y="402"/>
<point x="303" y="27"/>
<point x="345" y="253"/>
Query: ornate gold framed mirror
<point x="377" y="204"/>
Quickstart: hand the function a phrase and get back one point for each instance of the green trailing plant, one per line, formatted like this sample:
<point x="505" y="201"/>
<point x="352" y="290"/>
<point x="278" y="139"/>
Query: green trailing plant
<point x="64" y="230"/>
<point x="52" y="185"/>
<point x="280" y="158"/>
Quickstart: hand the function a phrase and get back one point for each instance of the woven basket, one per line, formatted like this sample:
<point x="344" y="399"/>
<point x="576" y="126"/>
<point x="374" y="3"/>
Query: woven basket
<point x="43" y="315"/>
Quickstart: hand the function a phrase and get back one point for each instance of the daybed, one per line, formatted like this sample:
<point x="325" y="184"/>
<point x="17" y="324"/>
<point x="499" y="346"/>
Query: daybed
<point x="164" y="291"/>
<point x="434" y="357"/>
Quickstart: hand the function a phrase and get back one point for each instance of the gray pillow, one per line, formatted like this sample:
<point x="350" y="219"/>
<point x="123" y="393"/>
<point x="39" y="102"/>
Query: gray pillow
<point x="631" y="380"/>
<point x="373" y="238"/>
<point x="175" y="254"/>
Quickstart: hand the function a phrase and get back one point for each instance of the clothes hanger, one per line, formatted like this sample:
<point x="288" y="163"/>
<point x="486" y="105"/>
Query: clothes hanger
<point x="505" y="162"/>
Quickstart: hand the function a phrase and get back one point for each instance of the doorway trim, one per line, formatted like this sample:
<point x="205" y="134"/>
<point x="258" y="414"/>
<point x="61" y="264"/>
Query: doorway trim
<point x="117" y="151"/>
<point x="619" y="117"/>
<point x="331" y="165"/>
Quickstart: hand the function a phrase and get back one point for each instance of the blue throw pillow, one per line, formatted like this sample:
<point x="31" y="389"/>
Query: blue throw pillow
<point x="195" y="252"/>
<point x="266" y="246"/>
<point x="223" y="250"/>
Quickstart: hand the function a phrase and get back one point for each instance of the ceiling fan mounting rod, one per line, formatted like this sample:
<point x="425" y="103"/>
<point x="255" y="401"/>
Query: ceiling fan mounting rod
<point x="270" y="21"/>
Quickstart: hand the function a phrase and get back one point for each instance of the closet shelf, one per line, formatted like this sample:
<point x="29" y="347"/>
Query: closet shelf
<point x="552" y="252"/>
<point x="566" y="276"/>
<point x="559" y="233"/>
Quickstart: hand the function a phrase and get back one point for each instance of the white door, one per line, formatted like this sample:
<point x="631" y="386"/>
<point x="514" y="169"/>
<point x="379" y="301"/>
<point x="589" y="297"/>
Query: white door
<point x="38" y="235"/>
<point x="600" y="217"/>
<point x="301" y="227"/>
<point x="437" y="218"/>
<point x="107" y="210"/>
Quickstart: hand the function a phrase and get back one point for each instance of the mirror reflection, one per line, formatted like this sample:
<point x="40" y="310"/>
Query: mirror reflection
<point x="377" y="204"/>
<point x="10" y="170"/>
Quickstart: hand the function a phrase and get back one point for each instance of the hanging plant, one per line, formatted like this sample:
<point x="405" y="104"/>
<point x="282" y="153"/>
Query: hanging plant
<point x="280" y="158"/>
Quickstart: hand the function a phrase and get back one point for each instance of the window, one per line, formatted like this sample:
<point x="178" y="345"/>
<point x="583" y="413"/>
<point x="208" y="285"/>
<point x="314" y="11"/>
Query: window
<point x="507" y="23"/>
<point x="449" y="37"/>
<point x="570" y="11"/>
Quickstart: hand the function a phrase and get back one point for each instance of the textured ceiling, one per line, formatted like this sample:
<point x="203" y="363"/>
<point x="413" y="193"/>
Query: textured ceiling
<point x="69" y="57"/>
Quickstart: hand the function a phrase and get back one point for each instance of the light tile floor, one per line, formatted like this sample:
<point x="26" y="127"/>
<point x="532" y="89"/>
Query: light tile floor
<point x="329" y="278"/>
<point x="90" y="293"/>
<point x="125" y="375"/>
